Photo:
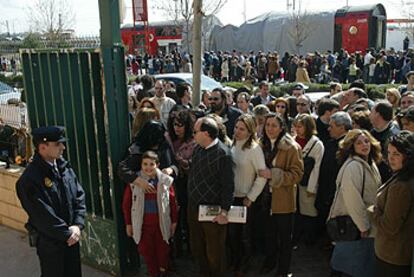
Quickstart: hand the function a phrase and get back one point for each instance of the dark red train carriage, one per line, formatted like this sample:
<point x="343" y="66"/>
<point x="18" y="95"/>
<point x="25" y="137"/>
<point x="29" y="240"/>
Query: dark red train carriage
<point x="360" y="27"/>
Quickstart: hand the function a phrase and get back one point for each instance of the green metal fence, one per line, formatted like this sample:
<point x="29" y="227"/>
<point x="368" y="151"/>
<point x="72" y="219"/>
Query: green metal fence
<point x="72" y="88"/>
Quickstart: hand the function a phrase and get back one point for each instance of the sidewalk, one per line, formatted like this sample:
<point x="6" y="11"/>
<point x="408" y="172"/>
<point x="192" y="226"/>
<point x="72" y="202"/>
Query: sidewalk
<point x="17" y="259"/>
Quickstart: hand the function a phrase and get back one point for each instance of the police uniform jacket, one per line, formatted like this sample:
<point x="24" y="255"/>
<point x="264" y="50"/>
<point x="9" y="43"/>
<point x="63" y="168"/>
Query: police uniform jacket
<point x="53" y="200"/>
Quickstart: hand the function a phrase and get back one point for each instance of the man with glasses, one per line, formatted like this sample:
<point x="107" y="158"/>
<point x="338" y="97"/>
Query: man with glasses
<point x="210" y="182"/>
<point x="219" y="106"/>
<point x="264" y="96"/>
<point x="303" y="105"/>
<point x="163" y="103"/>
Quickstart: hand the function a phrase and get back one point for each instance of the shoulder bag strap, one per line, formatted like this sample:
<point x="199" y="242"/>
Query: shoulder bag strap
<point x="340" y="184"/>
<point x="310" y="150"/>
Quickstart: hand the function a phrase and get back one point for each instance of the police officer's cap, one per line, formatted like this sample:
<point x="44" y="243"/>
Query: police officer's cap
<point x="49" y="133"/>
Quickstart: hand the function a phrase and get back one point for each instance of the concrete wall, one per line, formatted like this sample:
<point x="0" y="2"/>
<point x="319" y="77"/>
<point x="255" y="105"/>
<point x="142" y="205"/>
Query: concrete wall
<point x="11" y="212"/>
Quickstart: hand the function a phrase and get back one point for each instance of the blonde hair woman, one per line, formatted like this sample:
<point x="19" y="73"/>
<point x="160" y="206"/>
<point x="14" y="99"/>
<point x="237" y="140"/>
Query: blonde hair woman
<point x="393" y="96"/>
<point x="249" y="159"/>
<point x="357" y="183"/>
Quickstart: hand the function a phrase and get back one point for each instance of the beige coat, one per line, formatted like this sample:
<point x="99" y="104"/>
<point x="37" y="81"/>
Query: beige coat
<point x="394" y="218"/>
<point x="302" y="75"/>
<point x="348" y="199"/>
<point x="286" y="173"/>
<point x="307" y="202"/>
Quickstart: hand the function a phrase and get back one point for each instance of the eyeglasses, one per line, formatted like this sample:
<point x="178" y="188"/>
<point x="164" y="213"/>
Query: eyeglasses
<point x="301" y="104"/>
<point x="281" y="106"/>
<point x="177" y="124"/>
<point x="213" y="98"/>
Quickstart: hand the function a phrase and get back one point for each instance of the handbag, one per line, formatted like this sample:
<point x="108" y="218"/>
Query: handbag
<point x="308" y="165"/>
<point x="343" y="228"/>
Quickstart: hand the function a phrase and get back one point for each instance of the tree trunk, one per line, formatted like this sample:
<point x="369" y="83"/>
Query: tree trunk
<point x="196" y="40"/>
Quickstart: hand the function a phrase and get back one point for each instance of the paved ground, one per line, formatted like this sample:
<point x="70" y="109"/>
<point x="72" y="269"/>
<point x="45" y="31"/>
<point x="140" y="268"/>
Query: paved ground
<point x="17" y="259"/>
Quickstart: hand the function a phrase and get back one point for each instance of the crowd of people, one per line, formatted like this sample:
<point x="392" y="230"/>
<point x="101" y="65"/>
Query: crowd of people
<point x="297" y="166"/>
<point x="376" y="67"/>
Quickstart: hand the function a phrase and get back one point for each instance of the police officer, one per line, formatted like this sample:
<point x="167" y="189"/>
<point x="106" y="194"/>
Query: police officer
<point x="53" y="198"/>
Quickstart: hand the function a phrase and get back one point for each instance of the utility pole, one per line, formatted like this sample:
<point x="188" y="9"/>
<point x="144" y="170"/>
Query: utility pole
<point x="244" y="11"/>
<point x="7" y="27"/>
<point x="198" y="16"/>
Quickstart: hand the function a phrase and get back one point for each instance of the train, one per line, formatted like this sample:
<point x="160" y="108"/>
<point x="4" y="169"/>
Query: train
<point x="353" y="28"/>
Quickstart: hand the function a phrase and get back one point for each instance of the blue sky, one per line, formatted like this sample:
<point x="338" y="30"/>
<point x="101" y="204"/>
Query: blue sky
<point x="87" y="11"/>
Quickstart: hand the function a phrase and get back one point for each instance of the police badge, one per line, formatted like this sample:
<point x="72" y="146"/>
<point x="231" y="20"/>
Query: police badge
<point x="48" y="183"/>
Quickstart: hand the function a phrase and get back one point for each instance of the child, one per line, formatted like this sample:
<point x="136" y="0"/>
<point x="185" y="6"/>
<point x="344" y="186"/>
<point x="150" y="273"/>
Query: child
<point x="151" y="214"/>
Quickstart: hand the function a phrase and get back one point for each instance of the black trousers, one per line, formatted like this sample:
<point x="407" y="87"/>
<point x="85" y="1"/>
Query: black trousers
<point x="385" y="269"/>
<point x="240" y="239"/>
<point x="279" y="240"/>
<point x="58" y="259"/>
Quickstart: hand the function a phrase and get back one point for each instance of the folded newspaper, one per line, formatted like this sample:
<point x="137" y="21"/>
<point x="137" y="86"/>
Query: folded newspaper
<point x="236" y="214"/>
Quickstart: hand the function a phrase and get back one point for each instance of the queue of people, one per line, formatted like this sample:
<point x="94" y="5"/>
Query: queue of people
<point x="295" y="165"/>
<point x="374" y="67"/>
<point x="335" y="174"/>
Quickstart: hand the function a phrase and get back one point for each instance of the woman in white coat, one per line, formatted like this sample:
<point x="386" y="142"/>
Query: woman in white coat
<point x="248" y="158"/>
<point x="357" y="183"/>
<point x="312" y="149"/>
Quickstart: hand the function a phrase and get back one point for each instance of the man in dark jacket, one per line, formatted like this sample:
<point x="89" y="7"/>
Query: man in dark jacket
<point x="339" y="125"/>
<point x="228" y="113"/>
<point x="264" y="97"/>
<point x="381" y="118"/>
<point x="210" y="182"/>
<point x="53" y="198"/>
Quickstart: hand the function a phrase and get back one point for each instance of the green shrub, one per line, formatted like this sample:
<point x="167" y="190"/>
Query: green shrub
<point x="373" y="91"/>
<point x="13" y="80"/>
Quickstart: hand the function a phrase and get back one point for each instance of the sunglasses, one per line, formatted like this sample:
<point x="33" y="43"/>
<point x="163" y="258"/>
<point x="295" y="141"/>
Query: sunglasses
<point x="301" y="104"/>
<point x="281" y="106"/>
<point x="213" y="98"/>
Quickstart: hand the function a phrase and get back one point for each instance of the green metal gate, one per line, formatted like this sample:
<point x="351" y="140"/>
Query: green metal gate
<point x="72" y="88"/>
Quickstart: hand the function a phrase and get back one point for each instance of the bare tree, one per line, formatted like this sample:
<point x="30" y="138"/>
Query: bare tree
<point x="51" y="17"/>
<point x="301" y="27"/>
<point x="181" y="12"/>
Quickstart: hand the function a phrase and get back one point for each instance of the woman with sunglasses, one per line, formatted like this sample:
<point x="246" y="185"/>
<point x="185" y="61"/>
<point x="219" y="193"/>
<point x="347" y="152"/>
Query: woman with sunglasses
<point x="283" y="158"/>
<point x="180" y="135"/>
<point x="281" y="107"/>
